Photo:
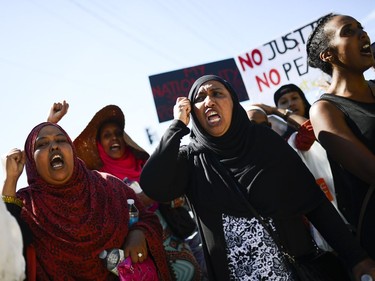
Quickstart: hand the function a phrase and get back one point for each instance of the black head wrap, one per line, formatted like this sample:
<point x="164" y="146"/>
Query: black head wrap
<point x="254" y="155"/>
<point x="248" y="163"/>
<point x="233" y="140"/>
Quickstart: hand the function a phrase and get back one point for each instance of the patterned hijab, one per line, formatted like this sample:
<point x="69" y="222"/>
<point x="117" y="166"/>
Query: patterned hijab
<point x="72" y="223"/>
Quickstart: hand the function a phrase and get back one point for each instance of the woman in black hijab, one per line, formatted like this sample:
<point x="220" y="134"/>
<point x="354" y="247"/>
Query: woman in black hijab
<point x="231" y="164"/>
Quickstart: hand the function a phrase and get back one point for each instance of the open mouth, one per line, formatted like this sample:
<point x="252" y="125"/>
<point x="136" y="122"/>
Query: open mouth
<point x="57" y="161"/>
<point x="115" y="147"/>
<point x="213" y="117"/>
<point x="366" y="49"/>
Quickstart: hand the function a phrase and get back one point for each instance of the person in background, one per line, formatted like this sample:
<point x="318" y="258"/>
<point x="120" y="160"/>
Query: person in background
<point x="292" y="106"/>
<point x="232" y="167"/>
<point x="312" y="154"/>
<point x="105" y="146"/>
<point x="73" y="213"/>
<point x="344" y="117"/>
<point x="257" y="115"/>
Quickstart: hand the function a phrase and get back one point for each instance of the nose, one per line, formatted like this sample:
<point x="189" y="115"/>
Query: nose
<point x="114" y="137"/>
<point x="209" y="101"/>
<point x="288" y="104"/>
<point x="54" y="145"/>
<point x="362" y="33"/>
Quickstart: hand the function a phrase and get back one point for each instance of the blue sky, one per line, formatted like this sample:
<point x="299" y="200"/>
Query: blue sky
<point x="92" y="53"/>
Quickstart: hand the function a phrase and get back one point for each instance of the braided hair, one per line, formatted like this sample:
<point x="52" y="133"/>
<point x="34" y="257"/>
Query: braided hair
<point x="317" y="43"/>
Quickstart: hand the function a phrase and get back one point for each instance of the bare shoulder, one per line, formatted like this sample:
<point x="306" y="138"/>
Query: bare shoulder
<point x="324" y="108"/>
<point x="326" y="116"/>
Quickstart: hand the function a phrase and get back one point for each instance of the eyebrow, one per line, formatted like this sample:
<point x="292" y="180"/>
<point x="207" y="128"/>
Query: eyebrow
<point x="57" y="135"/>
<point x="348" y="25"/>
<point x="209" y="89"/>
<point x="355" y="23"/>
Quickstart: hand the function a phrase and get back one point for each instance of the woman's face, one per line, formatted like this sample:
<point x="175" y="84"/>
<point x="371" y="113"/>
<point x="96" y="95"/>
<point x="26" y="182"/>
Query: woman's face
<point x="349" y="43"/>
<point x="293" y="102"/>
<point x="53" y="156"/>
<point x="213" y="106"/>
<point x="112" y="140"/>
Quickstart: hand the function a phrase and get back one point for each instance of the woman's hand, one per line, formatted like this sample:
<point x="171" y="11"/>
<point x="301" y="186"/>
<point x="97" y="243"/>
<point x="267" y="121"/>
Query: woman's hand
<point x="182" y="109"/>
<point x="136" y="246"/>
<point x="367" y="267"/>
<point x="57" y="111"/>
<point x="147" y="201"/>
<point x="15" y="161"/>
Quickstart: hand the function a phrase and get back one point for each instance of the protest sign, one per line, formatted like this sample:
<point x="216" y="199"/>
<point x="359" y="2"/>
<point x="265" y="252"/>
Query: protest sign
<point x="255" y="75"/>
<point x="166" y="87"/>
<point x="278" y="62"/>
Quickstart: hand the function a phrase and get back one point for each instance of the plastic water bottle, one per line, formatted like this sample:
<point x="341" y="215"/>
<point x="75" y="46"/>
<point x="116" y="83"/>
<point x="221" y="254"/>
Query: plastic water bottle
<point x="112" y="258"/>
<point x="133" y="212"/>
<point x="366" y="277"/>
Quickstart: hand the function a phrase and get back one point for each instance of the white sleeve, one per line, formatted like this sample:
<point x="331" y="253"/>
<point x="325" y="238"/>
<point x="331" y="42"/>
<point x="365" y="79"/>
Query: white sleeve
<point x="11" y="246"/>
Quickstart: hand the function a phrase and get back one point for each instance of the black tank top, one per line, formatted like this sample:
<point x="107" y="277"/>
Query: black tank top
<point x="351" y="190"/>
<point x="359" y="116"/>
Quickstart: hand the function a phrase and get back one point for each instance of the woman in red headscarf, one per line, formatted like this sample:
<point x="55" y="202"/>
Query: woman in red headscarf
<point x="73" y="213"/>
<point x="105" y="146"/>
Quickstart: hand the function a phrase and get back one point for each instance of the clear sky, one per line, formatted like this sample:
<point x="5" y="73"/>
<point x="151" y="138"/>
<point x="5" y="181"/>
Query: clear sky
<point x="92" y="53"/>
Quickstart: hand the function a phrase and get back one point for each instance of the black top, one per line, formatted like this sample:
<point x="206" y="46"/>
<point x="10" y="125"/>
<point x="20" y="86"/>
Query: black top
<point x="360" y="118"/>
<point x="249" y="161"/>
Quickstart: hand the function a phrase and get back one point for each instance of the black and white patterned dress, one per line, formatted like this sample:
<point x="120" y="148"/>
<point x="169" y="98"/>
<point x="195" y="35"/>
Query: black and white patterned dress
<point x="252" y="254"/>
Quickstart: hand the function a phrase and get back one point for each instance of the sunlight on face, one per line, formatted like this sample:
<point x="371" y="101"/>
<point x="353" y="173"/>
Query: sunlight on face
<point x="213" y="106"/>
<point x="350" y="44"/>
<point x="53" y="156"/>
